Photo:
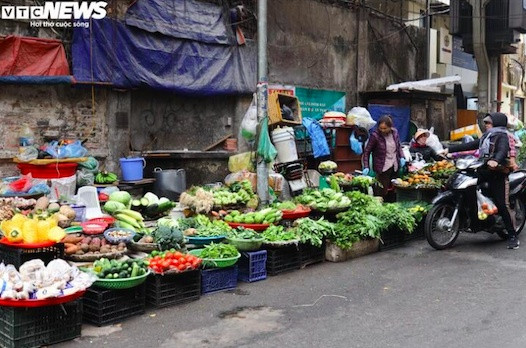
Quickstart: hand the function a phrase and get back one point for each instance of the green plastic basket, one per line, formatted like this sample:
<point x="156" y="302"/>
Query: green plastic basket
<point x="246" y="244"/>
<point x="125" y="283"/>
<point x="217" y="263"/>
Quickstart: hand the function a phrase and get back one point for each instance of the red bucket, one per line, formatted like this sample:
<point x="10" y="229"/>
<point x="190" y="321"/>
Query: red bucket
<point x="48" y="171"/>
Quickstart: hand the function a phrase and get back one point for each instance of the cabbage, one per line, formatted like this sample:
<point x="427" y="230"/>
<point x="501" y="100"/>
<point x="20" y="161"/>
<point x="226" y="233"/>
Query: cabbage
<point x="113" y="207"/>
<point x="121" y="197"/>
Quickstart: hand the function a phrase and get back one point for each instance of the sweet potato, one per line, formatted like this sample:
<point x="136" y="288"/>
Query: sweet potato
<point x="72" y="239"/>
<point x="71" y="250"/>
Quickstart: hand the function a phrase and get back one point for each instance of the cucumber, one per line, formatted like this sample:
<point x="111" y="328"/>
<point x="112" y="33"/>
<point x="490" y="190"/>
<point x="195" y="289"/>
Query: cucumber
<point x="165" y="204"/>
<point x="152" y="198"/>
<point x="152" y="210"/>
<point x="145" y="202"/>
<point x="136" y="205"/>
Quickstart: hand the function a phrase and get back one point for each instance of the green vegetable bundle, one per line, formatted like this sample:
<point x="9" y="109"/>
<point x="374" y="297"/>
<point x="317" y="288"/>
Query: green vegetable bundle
<point x="106" y="269"/>
<point x="313" y="231"/>
<point x="244" y="233"/>
<point x="324" y="200"/>
<point x="219" y="251"/>
<point x="279" y="234"/>
<point x="265" y="216"/>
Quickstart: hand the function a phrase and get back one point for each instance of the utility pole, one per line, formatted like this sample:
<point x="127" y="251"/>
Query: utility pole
<point x="262" y="96"/>
<point x="481" y="56"/>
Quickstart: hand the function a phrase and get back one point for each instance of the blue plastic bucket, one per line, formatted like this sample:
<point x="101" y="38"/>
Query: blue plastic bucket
<point x="132" y="168"/>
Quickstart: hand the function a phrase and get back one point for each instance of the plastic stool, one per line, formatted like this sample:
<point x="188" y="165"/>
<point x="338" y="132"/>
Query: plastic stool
<point x="88" y="196"/>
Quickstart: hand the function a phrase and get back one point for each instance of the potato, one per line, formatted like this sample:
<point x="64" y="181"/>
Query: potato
<point x="42" y="203"/>
<point x="94" y="247"/>
<point x="85" y="247"/>
<point x="67" y="211"/>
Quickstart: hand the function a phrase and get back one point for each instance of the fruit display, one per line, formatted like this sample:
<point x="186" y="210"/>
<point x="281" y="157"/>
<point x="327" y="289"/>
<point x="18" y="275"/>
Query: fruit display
<point x="152" y="206"/>
<point x="79" y="245"/>
<point x="113" y="269"/>
<point x="418" y="180"/>
<point x="31" y="230"/>
<point x="265" y="216"/>
<point x="172" y="260"/>
<point x="324" y="200"/>
<point x="441" y="169"/>
<point x="125" y="218"/>
<point x="105" y="178"/>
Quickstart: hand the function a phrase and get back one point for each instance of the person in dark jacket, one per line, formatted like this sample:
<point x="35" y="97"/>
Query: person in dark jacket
<point x="384" y="145"/>
<point x="418" y="145"/>
<point x="494" y="146"/>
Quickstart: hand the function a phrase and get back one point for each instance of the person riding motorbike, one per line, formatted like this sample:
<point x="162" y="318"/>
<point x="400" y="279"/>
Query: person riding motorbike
<point x="494" y="147"/>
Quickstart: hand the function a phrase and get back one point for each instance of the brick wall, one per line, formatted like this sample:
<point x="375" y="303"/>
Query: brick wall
<point x="51" y="112"/>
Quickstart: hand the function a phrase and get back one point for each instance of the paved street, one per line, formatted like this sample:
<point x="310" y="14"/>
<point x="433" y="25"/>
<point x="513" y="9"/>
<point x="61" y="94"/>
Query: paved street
<point x="469" y="296"/>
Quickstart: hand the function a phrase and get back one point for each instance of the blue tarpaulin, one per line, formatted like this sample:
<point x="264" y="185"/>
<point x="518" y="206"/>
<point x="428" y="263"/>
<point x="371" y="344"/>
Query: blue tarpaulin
<point x="400" y="115"/>
<point x="129" y="57"/>
<point x="35" y="80"/>
<point x="184" y="19"/>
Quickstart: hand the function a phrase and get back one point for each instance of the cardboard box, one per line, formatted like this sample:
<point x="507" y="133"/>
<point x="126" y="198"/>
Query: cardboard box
<point x="275" y="103"/>
<point x="473" y="130"/>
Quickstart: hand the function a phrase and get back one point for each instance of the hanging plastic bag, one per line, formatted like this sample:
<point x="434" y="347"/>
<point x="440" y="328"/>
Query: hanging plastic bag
<point x="242" y="161"/>
<point x="360" y="117"/>
<point x="28" y="153"/>
<point x="486" y="207"/>
<point x="356" y="145"/>
<point x="52" y="149"/>
<point x="90" y="165"/>
<point x="249" y="123"/>
<point x="74" y="150"/>
<point x="433" y="141"/>
<point x="265" y="147"/>
<point x="320" y="147"/>
<point x="22" y="185"/>
<point x="85" y="178"/>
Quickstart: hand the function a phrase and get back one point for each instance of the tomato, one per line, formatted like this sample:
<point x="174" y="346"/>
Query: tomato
<point x="168" y="255"/>
<point x="165" y="264"/>
<point x="178" y="254"/>
<point x="156" y="258"/>
<point x="174" y="262"/>
<point x="188" y="265"/>
<point x="181" y="267"/>
<point x="195" y="263"/>
<point x="157" y="269"/>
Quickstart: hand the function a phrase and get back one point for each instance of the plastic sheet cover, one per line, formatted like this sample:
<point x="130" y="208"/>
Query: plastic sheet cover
<point x="400" y="114"/>
<point x="130" y="58"/>
<point x="30" y="56"/>
<point x="184" y="19"/>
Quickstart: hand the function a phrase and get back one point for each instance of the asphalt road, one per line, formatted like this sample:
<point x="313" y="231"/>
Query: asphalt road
<point x="468" y="296"/>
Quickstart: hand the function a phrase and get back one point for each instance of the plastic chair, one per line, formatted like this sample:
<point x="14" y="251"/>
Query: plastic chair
<point x="88" y="196"/>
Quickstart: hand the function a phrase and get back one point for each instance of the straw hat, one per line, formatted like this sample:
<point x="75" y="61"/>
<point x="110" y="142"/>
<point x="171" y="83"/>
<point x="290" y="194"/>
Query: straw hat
<point x="421" y="132"/>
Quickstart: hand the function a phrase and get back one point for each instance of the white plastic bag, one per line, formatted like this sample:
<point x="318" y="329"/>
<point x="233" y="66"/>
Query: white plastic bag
<point x="360" y="117"/>
<point x="249" y="123"/>
<point x="433" y="141"/>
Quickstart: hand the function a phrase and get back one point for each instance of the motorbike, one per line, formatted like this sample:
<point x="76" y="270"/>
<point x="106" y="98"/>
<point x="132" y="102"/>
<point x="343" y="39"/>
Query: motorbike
<point x="455" y="210"/>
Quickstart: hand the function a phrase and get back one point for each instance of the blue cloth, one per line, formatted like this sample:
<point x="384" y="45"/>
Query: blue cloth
<point x="183" y="19"/>
<point x="356" y="145"/>
<point x="401" y="116"/>
<point x="365" y="171"/>
<point x="129" y="57"/>
<point x="319" y="142"/>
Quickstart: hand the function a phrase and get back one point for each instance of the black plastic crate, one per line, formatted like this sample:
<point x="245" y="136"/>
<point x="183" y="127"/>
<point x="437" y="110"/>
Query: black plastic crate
<point x="252" y="266"/>
<point x="410" y="194"/>
<point x="35" y="327"/>
<point x="68" y="322"/>
<point x="172" y="289"/>
<point x="218" y="279"/>
<point x="17" y="256"/>
<point x="392" y="238"/>
<point x="104" y="306"/>
<point x="282" y="260"/>
<point x="310" y="254"/>
<point x="418" y="233"/>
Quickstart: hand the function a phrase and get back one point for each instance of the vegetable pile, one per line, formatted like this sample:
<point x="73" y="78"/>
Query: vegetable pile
<point x="244" y="233"/>
<point x="279" y="234"/>
<point x="197" y="199"/>
<point x="106" y="269"/>
<point x="265" y="216"/>
<point x="78" y="245"/>
<point x="202" y="226"/>
<point x="313" y="231"/>
<point x="152" y="206"/>
<point x="324" y="200"/>
<point x="168" y="235"/>
<point x="219" y="251"/>
<point x="23" y="229"/>
<point x="173" y="260"/>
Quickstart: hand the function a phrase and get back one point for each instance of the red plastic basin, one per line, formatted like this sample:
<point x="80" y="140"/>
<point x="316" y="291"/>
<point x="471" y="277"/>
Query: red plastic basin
<point x="48" y="171"/>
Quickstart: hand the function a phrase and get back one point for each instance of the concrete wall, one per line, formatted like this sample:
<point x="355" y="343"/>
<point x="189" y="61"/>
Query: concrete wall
<point x="341" y="48"/>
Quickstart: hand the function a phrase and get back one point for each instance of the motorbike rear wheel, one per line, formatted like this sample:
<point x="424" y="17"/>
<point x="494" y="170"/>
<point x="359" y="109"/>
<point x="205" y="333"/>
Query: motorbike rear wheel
<point x="520" y="219"/>
<point x="438" y="233"/>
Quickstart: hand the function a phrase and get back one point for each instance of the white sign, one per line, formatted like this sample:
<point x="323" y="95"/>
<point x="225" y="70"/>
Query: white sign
<point x="445" y="47"/>
<point x="60" y="10"/>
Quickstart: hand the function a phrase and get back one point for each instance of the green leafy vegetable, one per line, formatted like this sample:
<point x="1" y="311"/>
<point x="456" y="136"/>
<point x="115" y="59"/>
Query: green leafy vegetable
<point x="313" y="231"/>
<point x="279" y="234"/>
<point x="219" y="251"/>
<point x="169" y="237"/>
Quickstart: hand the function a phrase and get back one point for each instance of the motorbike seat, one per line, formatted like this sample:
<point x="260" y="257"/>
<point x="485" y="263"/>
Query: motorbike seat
<point x="516" y="179"/>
